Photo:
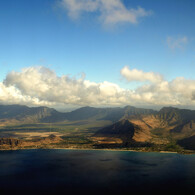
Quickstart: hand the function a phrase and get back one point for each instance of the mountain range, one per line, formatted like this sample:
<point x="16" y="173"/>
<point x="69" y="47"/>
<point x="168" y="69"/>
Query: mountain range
<point x="19" y="113"/>
<point x="130" y="124"/>
<point x="168" y="125"/>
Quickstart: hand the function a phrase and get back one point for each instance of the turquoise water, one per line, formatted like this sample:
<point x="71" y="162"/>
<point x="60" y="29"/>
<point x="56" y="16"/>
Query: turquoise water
<point x="94" y="172"/>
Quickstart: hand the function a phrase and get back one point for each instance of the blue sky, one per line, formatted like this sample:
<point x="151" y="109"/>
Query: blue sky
<point x="51" y="34"/>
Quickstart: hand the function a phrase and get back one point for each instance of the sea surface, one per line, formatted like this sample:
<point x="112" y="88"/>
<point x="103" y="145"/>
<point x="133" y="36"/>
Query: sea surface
<point x="95" y="172"/>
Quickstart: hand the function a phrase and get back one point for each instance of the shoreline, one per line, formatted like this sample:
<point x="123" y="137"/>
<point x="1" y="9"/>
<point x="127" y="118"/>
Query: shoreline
<point x="91" y="147"/>
<point x="103" y="149"/>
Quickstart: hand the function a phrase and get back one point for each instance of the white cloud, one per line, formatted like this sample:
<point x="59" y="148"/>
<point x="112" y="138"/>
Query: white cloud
<point x="179" y="91"/>
<point x="139" y="75"/>
<point x="12" y="95"/>
<point x="176" y="43"/>
<point x="76" y="7"/>
<point x="41" y="86"/>
<point x="110" y="12"/>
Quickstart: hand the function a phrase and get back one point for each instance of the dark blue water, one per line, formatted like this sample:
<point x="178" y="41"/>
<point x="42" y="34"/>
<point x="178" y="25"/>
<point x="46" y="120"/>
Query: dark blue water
<point x="94" y="172"/>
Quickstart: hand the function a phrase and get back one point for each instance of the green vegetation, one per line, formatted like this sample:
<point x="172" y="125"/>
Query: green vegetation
<point x="169" y="147"/>
<point x="173" y="147"/>
<point x="78" y="127"/>
<point x="65" y="127"/>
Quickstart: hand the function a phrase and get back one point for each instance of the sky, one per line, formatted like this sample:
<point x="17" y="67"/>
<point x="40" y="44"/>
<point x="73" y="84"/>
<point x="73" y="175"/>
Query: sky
<point x="67" y="54"/>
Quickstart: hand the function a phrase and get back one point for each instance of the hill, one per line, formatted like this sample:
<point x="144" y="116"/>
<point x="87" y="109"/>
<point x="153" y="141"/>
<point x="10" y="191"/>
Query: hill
<point x="24" y="114"/>
<point x="121" y="129"/>
<point x="168" y="125"/>
<point x="127" y="125"/>
<point x="125" y="130"/>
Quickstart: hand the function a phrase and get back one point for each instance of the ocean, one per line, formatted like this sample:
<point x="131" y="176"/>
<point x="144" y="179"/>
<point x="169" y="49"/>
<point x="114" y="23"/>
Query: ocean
<point x="95" y="172"/>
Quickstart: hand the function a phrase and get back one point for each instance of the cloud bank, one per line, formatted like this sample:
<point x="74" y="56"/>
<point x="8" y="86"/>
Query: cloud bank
<point x="179" y="91"/>
<point x="109" y="12"/>
<point x="41" y="86"/>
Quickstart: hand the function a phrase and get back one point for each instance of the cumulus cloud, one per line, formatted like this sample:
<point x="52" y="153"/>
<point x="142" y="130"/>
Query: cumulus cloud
<point x="139" y="75"/>
<point x="41" y="86"/>
<point x="179" y="91"/>
<point x="44" y="85"/>
<point x="176" y="43"/>
<point x="12" y="95"/>
<point x="109" y="12"/>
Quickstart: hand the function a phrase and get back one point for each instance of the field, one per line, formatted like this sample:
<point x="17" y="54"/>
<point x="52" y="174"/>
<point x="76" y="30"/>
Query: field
<point x="77" y="132"/>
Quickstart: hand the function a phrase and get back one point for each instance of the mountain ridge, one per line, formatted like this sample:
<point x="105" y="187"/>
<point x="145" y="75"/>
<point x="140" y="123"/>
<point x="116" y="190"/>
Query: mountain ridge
<point x="45" y="114"/>
<point x="129" y="124"/>
<point x="162" y="127"/>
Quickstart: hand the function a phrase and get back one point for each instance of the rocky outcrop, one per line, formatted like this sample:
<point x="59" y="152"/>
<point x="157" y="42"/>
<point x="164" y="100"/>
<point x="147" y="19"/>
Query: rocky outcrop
<point x="12" y="143"/>
<point x="51" y="139"/>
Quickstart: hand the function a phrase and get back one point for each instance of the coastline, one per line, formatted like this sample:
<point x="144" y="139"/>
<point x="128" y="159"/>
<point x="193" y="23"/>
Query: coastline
<point x="91" y="147"/>
<point x="103" y="149"/>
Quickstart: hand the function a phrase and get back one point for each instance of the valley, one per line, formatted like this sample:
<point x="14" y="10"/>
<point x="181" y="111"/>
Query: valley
<point x="170" y="129"/>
